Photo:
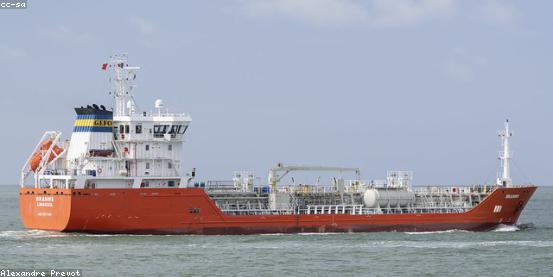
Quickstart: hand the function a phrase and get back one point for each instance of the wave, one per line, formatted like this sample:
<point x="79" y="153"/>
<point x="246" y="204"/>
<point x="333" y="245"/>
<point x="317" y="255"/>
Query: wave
<point x="437" y="232"/>
<point x="527" y="226"/>
<point x="506" y="228"/>
<point x="38" y="234"/>
<point x="515" y="228"/>
<point x="433" y="244"/>
<point x="29" y="234"/>
<point x="304" y="234"/>
<point x="319" y="234"/>
<point x="499" y="228"/>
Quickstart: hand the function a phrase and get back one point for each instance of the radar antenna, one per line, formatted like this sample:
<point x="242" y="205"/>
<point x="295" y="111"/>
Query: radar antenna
<point x="122" y="83"/>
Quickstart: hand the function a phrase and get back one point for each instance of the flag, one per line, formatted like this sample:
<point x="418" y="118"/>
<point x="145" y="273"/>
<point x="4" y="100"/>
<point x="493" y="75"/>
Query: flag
<point x="104" y="66"/>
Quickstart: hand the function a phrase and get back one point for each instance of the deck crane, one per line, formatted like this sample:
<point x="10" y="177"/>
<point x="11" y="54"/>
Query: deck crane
<point x="274" y="176"/>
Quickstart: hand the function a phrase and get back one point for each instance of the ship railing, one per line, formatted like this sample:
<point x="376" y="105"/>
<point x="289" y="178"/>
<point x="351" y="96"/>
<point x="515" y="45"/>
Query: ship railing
<point x="221" y="185"/>
<point x="352" y="187"/>
<point x="334" y="209"/>
<point x="454" y="189"/>
<point x="361" y="210"/>
<point x="170" y="114"/>
<point x="238" y="211"/>
<point x="440" y="203"/>
<point x="420" y="210"/>
<point x="344" y="209"/>
<point x="301" y="188"/>
<point x="527" y="185"/>
<point x="435" y="210"/>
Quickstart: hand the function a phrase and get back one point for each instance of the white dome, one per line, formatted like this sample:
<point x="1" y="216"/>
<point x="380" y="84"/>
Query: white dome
<point x="159" y="104"/>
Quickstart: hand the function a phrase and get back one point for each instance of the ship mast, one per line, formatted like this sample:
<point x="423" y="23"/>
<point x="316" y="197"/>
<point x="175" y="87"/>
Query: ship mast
<point x="505" y="157"/>
<point x="122" y="82"/>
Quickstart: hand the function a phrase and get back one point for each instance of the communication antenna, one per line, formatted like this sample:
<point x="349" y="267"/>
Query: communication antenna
<point x="505" y="157"/>
<point x="122" y="83"/>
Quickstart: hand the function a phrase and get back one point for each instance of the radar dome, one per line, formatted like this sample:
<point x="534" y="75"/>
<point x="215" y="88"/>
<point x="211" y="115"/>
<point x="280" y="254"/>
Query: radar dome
<point x="159" y="104"/>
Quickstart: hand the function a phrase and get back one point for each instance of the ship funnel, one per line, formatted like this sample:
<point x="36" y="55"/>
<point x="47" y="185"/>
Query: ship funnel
<point x="93" y="131"/>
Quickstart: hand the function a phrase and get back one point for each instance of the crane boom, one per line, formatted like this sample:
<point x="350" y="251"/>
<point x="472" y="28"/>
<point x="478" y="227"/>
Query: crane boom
<point x="274" y="177"/>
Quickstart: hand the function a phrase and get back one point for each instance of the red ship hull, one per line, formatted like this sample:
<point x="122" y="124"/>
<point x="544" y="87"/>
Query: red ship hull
<point x="191" y="211"/>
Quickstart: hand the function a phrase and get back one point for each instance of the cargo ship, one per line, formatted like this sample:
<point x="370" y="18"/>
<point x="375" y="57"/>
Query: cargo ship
<point x="120" y="172"/>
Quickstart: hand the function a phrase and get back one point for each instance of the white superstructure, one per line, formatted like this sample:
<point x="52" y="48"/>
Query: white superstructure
<point x="124" y="148"/>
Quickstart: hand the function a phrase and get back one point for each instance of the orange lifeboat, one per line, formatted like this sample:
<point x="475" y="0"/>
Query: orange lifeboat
<point x="37" y="156"/>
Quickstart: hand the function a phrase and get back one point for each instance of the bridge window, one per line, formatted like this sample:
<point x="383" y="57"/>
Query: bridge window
<point x="174" y="129"/>
<point x="170" y="147"/>
<point x="139" y="129"/>
<point x="169" y="165"/>
<point x="182" y="129"/>
<point x="147" y="165"/>
<point x="126" y="129"/>
<point x="147" y="147"/>
<point x="160" y="130"/>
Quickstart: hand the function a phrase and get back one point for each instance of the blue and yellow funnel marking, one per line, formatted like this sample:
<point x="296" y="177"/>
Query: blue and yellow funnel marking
<point x="93" y="123"/>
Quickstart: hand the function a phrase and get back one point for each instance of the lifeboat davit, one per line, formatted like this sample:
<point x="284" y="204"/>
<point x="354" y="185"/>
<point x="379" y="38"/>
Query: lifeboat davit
<point x="37" y="156"/>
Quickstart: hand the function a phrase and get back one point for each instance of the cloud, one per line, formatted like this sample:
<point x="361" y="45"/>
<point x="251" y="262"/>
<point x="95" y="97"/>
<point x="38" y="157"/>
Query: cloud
<point x="397" y="13"/>
<point x="148" y="32"/>
<point x="462" y="66"/>
<point x="144" y="26"/>
<point x="64" y="34"/>
<point x="8" y="53"/>
<point x="500" y="12"/>
<point x="409" y="12"/>
<point x="320" y="12"/>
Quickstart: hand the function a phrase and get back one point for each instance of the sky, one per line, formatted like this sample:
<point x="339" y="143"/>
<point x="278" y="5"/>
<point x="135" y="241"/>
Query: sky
<point x="419" y="85"/>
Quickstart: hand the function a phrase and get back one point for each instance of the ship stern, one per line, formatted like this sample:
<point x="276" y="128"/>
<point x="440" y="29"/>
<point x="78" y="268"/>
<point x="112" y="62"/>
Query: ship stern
<point x="45" y="209"/>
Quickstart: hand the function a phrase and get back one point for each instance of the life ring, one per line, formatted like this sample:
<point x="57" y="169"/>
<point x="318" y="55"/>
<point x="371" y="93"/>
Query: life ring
<point x="99" y="170"/>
